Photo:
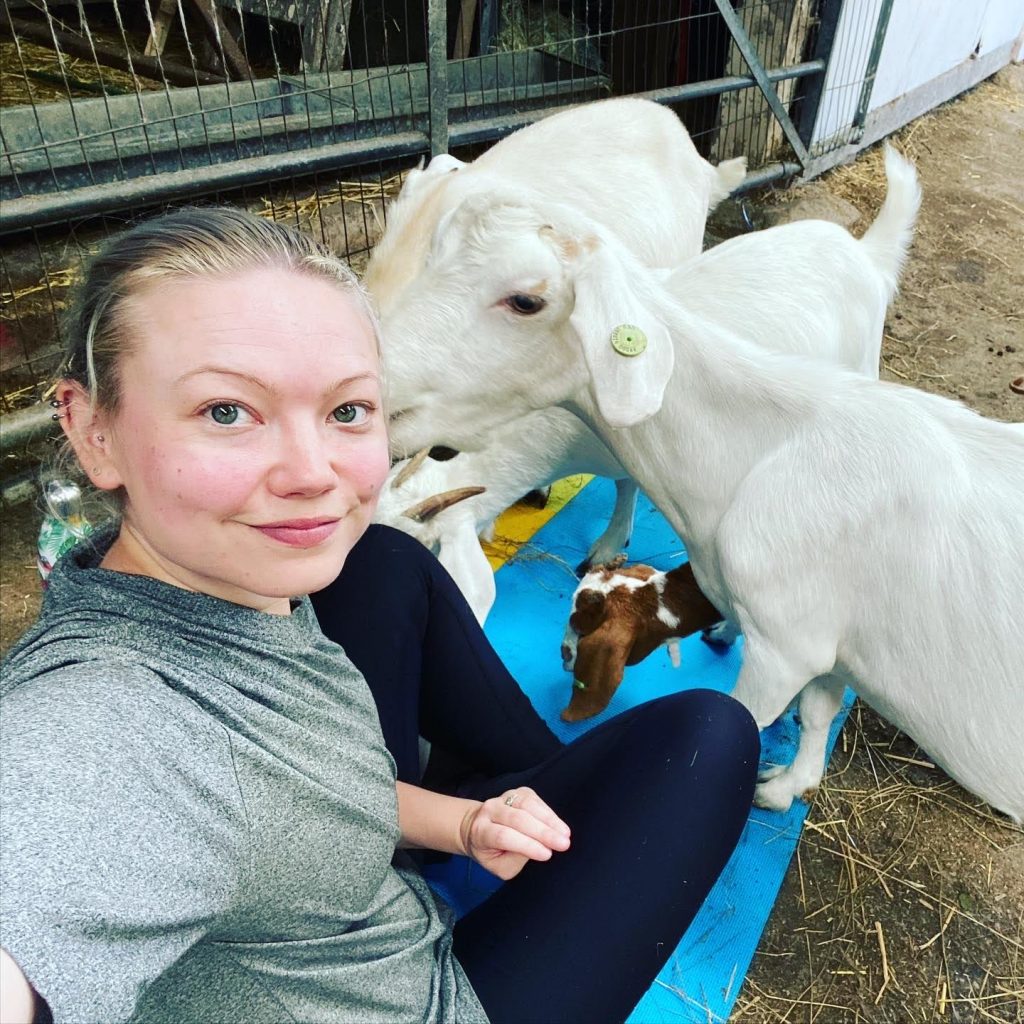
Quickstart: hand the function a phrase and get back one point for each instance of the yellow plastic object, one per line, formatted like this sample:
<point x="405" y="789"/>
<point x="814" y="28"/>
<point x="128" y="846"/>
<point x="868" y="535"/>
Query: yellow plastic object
<point x="516" y="525"/>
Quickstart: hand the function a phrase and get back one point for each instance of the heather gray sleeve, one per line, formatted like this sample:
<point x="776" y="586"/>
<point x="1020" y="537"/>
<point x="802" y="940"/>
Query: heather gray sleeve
<point x="124" y="834"/>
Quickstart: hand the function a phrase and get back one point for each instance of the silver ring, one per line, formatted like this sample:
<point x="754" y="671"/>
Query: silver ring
<point x="510" y="800"/>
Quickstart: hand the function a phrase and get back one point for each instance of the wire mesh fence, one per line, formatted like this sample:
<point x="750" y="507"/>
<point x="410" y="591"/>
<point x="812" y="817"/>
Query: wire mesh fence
<point x="309" y="110"/>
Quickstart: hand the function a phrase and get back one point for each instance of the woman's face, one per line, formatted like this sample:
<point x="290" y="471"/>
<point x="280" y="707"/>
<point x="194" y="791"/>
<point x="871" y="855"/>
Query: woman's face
<point x="250" y="440"/>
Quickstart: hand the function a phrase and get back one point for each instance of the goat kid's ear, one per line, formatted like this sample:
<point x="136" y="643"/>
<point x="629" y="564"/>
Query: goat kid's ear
<point x="627" y="347"/>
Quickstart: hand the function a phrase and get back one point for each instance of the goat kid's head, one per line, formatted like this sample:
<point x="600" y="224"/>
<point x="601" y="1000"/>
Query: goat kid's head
<point x="521" y="305"/>
<point x="614" y="623"/>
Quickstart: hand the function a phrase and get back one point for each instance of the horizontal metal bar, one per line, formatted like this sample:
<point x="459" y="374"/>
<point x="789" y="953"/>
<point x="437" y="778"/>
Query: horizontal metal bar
<point x="466" y="133"/>
<point x="731" y="83"/>
<point x="17" y="428"/>
<point x="38" y="211"/>
<point x="766" y="175"/>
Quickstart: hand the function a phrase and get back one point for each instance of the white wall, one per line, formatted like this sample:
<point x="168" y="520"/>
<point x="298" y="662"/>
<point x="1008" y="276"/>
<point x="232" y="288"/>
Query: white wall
<point x="933" y="50"/>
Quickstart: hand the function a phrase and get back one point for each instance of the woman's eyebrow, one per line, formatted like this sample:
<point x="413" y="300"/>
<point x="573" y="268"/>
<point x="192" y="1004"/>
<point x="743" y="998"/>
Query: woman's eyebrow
<point x="224" y="371"/>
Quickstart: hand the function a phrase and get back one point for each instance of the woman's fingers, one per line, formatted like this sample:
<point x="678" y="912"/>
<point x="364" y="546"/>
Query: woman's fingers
<point x="526" y="800"/>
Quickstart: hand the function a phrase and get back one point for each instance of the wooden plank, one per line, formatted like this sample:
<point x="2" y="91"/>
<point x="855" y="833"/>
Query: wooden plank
<point x="464" y="31"/>
<point x="747" y="126"/>
<point x="79" y="46"/>
<point x="223" y="41"/>
<point x="325" y="34"/>
<point x="162" y="21"/>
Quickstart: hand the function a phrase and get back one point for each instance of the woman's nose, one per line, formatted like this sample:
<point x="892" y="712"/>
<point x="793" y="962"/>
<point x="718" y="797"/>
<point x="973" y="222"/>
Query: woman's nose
<point x="303" y="465"/>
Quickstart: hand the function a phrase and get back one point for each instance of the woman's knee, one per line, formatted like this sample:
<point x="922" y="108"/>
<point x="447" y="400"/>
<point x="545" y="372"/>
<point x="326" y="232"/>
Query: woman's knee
<point x="710" y="724"/>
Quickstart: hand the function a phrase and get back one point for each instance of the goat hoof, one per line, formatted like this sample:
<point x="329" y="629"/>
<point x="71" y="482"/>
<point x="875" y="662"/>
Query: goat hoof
<point x="774" y="795"/>
<point x="583" y="568"/>
<point x="537" y="498"/>
<point x="718" y="637"/>
<point x="809" y="794"/>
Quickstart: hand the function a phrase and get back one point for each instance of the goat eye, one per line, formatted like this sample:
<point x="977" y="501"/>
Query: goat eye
<point x="525" y="304"/>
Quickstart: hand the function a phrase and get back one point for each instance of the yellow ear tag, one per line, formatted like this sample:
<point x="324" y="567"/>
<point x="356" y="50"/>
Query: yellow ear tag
<point x="628" y="340"/>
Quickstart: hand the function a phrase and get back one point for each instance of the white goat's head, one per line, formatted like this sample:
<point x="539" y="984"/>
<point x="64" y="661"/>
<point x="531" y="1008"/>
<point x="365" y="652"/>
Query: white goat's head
<point x="418" y="500"/>
<point x="515" y="310"/>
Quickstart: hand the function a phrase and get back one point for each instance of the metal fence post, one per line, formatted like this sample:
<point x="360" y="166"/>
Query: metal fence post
<point x="871" y="70"/>
<point x="828" y="21"/>
<point x="437" y="75"/>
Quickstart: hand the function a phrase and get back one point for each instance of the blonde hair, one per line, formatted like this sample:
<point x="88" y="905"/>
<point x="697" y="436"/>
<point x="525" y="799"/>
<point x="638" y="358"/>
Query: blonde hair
<point x="187" y="243"/>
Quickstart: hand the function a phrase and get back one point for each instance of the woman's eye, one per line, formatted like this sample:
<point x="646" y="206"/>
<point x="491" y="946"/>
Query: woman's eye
<point x="350" y="414"/>
<point x="224" y="413"/>
<point x="526" y="304"/>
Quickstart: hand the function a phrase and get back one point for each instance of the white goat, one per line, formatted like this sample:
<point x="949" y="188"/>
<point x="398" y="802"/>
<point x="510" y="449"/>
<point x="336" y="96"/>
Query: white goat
<point x="597" y="158"/>
<point x="515" y="461"/>
<point x="858" y="532"/>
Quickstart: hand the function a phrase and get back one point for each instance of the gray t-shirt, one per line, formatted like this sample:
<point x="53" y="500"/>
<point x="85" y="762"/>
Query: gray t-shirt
<point x="199" y="819"/>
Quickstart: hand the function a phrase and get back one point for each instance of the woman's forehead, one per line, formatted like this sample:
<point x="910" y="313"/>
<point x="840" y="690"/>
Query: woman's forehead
<point x="260" y="316"/>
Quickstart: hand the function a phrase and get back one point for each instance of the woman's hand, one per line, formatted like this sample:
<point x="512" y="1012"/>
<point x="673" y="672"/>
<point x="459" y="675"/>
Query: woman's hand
<point x="503" y="833"/>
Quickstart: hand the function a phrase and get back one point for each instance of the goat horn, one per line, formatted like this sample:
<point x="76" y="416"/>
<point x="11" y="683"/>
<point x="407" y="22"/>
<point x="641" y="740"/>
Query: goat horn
<point x="410" y="467"/>
<point x="429" y="507"/>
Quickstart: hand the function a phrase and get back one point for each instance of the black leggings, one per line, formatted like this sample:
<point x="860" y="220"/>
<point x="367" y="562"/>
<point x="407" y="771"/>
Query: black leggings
<point x="656" y="797"/>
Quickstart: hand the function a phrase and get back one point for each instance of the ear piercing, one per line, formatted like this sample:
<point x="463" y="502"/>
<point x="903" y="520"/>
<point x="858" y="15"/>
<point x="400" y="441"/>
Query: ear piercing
<point x="56" y="403"/>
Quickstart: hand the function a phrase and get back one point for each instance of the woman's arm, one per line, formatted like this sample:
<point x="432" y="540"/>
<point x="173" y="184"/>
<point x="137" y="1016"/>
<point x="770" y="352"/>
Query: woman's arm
<point x="500" y="834"/>
<point x="17" y="998"/>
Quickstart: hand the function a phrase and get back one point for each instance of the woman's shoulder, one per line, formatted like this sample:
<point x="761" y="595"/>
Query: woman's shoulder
<point x="105" y="703"/>
<point x="87" y="727"/>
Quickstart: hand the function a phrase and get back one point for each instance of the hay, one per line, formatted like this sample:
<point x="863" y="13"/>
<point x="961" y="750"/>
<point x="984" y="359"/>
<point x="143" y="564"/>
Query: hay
<point x="536" y="24"/>
<point x="851" y="965"/>
<point x="40" y="75"/>
<point x="305" y="209"/>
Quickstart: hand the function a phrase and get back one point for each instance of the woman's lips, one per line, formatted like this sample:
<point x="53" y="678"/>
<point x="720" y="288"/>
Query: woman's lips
<point x="300" y="533"/>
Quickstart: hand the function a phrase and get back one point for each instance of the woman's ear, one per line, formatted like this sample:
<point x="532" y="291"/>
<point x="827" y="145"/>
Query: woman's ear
<point x="89" y="433"/>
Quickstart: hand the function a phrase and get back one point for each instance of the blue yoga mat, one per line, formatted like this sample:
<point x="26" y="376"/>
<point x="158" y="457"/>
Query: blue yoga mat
<point x="701" y="980"/>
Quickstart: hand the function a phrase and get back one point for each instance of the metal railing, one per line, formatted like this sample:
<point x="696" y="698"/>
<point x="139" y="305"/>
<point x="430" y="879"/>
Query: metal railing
<point x="308" y="110"/>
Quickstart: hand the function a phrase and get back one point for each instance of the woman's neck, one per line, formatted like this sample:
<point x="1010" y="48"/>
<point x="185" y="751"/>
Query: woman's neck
<point x="129" y="554"/>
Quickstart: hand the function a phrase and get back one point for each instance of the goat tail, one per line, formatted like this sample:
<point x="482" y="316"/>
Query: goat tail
<point x="889" y="237"/>
<point x="726" y="177"/>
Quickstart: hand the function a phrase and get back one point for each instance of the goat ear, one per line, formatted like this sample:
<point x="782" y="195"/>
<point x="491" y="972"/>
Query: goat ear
<point x="588" y="613"/>
<point x="600" y="666"/>
<point x="626" y="345"/>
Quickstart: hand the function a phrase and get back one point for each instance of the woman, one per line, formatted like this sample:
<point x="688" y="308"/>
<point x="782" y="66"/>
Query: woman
<point x="201" y="818"/>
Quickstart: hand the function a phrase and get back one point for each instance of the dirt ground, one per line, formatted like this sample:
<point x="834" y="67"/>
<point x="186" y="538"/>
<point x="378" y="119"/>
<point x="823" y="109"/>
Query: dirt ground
<point x="905" y="901"/>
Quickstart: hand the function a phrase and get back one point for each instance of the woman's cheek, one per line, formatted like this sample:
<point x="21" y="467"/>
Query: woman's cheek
<point x="213" y="482"/>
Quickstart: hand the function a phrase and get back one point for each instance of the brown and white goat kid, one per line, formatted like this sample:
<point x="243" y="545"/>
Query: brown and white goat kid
<point x="620" y="614"/>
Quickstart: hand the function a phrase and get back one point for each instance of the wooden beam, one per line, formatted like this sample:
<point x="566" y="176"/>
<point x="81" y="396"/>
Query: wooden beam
<point x="223" y="41"/>
<point x="123" y="60"/>
<point x="464" y="32"/>
<point x="161" y="27"/>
